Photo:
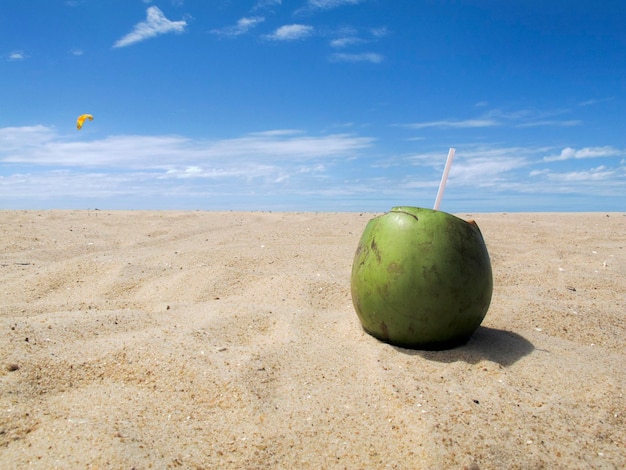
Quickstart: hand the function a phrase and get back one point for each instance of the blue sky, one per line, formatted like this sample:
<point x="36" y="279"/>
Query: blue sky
<point x="331" y="105"/>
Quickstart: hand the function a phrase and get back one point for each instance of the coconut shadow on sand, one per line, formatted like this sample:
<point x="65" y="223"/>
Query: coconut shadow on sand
<point x="490" y="344"/>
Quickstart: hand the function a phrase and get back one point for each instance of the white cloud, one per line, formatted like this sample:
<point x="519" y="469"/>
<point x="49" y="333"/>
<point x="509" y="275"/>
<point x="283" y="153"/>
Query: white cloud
<point x="48" y="166"/>
<point x="532" y="118"/>
<point x="592" y="175"/>
<point x="40" y="145"/>
<point x="263" y="4"/>
<point x="479" y="165"/>
<point x="348" y="36"/>
<point x="363" y="57"/>
<point x="291" y="32"/>
<point x="379" y="32"/>
<point x="346" y="41"/>
<point x="549" y="123"/>
<point x="329" y="4"/>
<point x="17" y="55"/>
<point x="468" y="123"/>
<point x="522" y="118"/>
<point x="18" y="139"/>
<point x="277" y="133"/>
<point x="485" y="171"/>
<point x="243" y="26"/>
<point x="288" y="145"/>
<point x="290" y="169"/>
<point x="538" y="172"/>
<point x="156" y="24"/>
<point x="594" y="101"/>
<point x="314" y="6"/>
<point x="570" y="153"/>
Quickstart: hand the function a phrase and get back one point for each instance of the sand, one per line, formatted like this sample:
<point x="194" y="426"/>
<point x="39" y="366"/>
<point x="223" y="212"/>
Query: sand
<point x="229" y="340"/>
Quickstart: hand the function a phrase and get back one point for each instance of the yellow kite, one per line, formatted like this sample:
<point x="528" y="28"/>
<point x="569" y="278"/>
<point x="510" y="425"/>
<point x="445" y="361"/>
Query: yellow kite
<point x="81" y="120"/>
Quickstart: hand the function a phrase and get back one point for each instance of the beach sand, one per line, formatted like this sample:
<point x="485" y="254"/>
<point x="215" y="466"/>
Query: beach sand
<point x="148" y="339"/>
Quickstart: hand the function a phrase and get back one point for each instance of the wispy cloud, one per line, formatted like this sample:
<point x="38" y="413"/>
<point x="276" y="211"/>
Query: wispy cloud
<point x="522" y="118"/>
<point x="291" y="32"/>
<point x="467" y="123"/>
<point x="570" y="153"/>
<point x="490" y="170"/>
<point x="292" y="170"/>
<point x="265" y="4"/>
<point x="551" y="123"/>
<point x="40" y="145"/>
<point x="17" y="55"/>
<point x="39" y="163"/>
<point x="314" y="6"/>
<point x="155" y="24"/>
<point x="594" y="101"/>
<point x="362" y="57"/>
<point x="243" y="26"/>
<point x="486" y="171"/>
<point x="24" y="138"/>
<point x="329" y="4"/>
<point x="379" y="32"/>
<point x="346" y="41"/>
<point x="592" y="175"/>
<point x="349" y="37"/>
<point x="533" y="118"/>
<point x="480" y="165"/>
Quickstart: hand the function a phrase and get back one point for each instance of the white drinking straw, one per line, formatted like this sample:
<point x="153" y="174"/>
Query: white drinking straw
<point x="444" y="178"/>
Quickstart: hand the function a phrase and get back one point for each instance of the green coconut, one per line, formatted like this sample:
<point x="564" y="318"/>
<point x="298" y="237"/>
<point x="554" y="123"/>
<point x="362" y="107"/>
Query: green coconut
<point x="421" y="278"/>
